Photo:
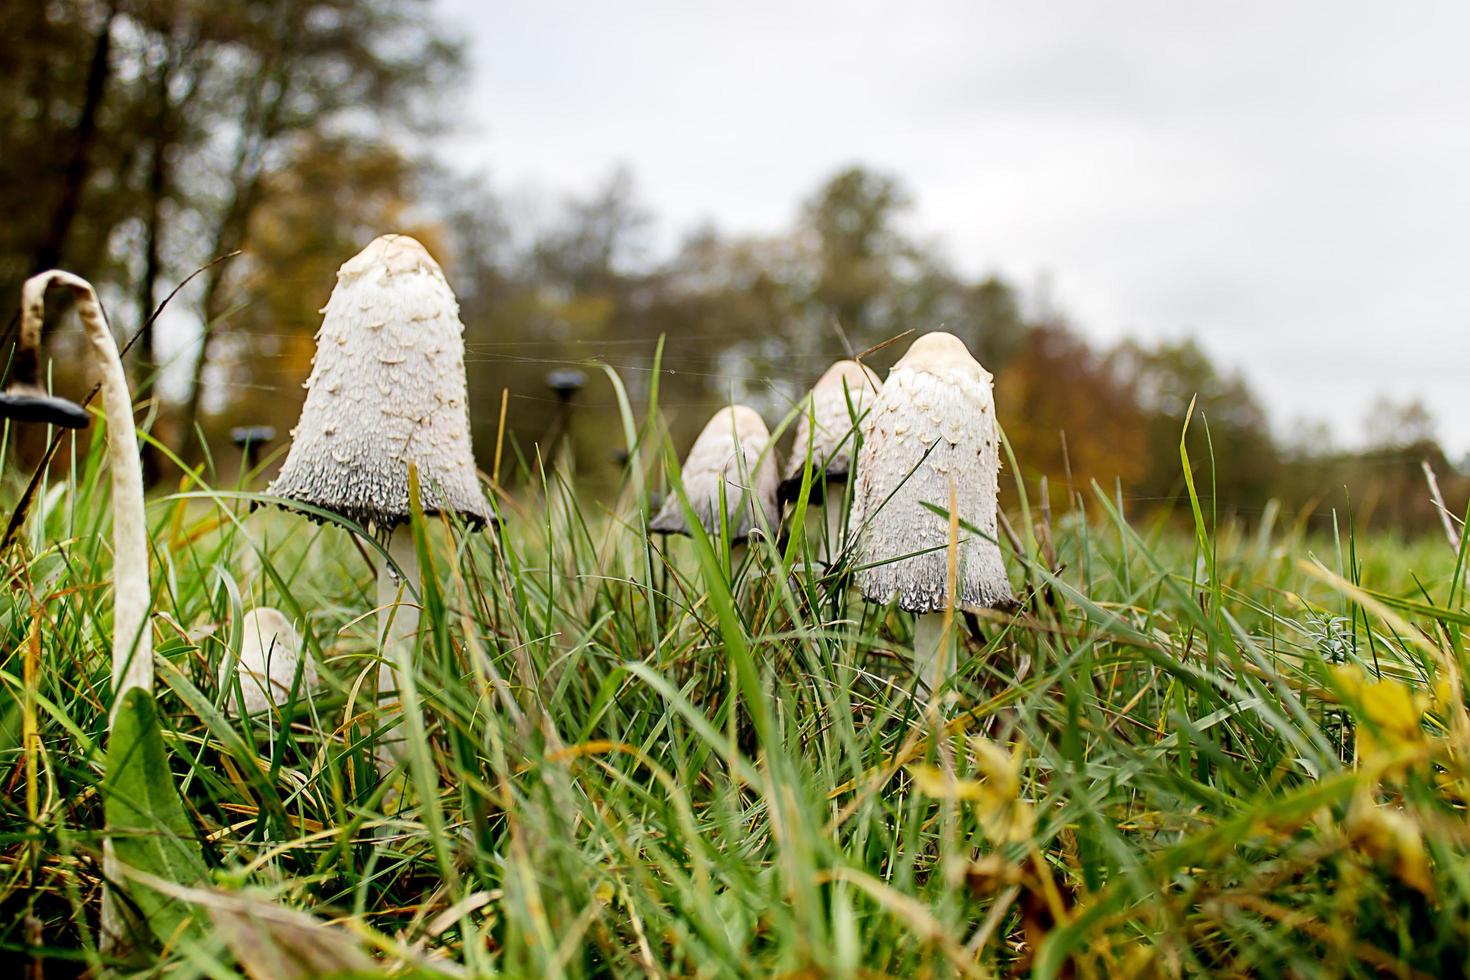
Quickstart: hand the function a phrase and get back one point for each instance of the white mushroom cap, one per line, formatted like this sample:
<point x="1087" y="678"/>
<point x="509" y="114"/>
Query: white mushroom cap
<point x="936" y="396"/>
<point x="270" y="649"/>
<point x="842" y="394"/>
<point x="387" y="389"/>
<point x="734" y="447"/>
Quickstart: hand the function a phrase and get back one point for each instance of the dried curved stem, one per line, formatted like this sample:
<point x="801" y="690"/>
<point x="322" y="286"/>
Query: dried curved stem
<point x="132" y="642"/>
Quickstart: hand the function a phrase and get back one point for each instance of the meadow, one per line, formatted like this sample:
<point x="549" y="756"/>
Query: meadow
<point x="1200" y="746"/>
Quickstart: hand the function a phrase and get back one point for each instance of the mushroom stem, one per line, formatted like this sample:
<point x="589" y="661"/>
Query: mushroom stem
<point x="832" y="513"/>
<point x="737" y="556"/>
<point x="398" y="628"/>
<point x="933" y="653"/>
<point x="249" y="566"/>
<point x="132" y="643"/>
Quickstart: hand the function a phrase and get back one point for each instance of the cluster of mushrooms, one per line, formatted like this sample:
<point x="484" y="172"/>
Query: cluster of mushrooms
<point x="386" y="421"/>
<point x="921" y="529"/>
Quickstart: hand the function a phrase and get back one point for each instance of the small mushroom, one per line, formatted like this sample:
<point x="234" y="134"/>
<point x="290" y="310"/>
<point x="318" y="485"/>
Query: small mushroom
<point x="931" y="432"/>
<point x="733" y="452"/>
<point x="250" y="440"/>
<point x="565" y="383"/>
<point x="270" y="654"/>
<point x="386" y="392"/>
<point x="827" y="432"/>
<point x="25" y="401"/>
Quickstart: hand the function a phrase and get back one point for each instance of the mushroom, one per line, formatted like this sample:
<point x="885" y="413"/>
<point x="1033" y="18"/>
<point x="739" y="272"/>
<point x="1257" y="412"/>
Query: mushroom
<point x="733" y="456"/>
<point x="831" y="413"/>
<point x="930" y="437"/>
<point x="386" y="393"/>
<point x="25" y="401"/>
<point x="270" y="654"/>
<point x="250" y="440"/>
<point x="564" y="384"/>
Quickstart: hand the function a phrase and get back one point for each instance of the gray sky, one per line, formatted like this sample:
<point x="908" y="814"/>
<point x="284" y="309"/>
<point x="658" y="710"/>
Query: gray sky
<point x="1289" y="182"/>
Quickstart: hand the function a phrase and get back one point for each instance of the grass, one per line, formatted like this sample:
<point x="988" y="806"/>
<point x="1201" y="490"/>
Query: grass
<point x="1196" y="750"/>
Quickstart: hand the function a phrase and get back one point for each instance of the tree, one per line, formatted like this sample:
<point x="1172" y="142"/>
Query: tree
<point x="56" y="74"/>
<point x="754" y="317"/>
<point x="859" y="249"/>
<point x="307" y="69"/>
<point x="597" y="241"/>
<point x="1230" y="443"/>
<point x="986" y="314"/>
<point x="330" y="197"/>
<point x="1067" y="416"/>
<point x="1391" y="424"/>
<point x="153" y="128"/>
<point x="1307" y="437"/>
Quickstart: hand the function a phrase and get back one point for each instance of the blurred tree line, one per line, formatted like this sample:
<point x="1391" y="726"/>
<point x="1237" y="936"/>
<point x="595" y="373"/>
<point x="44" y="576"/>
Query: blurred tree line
<point x="145" y="138"/>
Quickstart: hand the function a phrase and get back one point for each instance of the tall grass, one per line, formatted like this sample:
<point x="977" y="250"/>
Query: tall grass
<point x="1195" y="750"/>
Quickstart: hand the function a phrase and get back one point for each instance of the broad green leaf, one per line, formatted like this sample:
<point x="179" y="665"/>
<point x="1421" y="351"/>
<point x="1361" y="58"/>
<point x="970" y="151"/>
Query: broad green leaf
<point x="145" y="817"/>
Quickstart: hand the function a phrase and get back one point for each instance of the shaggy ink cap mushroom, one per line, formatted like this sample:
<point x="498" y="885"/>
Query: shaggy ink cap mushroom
<point x="733" y="448"/>
<point x="840" y="395"/>
<point x="932" y="424"/>
<point x="387" y="389"/>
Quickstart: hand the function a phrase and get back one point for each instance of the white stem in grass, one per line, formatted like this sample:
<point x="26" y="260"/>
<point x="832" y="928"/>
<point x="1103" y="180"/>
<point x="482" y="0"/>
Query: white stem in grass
<point x="933" y="652"/>
<point x="737" y="556"/>
<point x="132" y="641"/>
<point x="249" y="565"/>
<point x="398" y="628"/>
<point x="833" y="513"/>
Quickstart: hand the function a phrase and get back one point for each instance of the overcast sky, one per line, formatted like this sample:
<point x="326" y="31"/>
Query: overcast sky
<point x="1288" y="182"/>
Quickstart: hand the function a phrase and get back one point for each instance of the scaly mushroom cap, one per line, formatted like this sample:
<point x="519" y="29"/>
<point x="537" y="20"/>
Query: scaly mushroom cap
<point x="734" y="447"/>
<point x="842" y="394"/>
<point x="936" y="396"/>
<point x="269" y="653"/>
<point x="387" y="389"/>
